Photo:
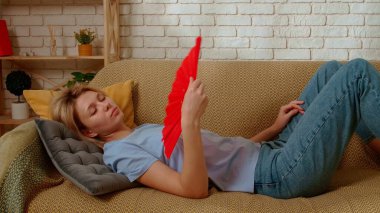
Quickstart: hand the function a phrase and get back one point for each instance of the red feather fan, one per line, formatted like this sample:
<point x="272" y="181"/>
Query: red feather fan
<point x="172" y="122"/>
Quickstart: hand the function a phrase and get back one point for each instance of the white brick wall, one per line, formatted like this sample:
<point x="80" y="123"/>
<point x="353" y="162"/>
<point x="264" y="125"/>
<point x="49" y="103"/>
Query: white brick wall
<point x="238" y="26"/>
<point x="231" y="29"/>
<point x="219" y="9"/>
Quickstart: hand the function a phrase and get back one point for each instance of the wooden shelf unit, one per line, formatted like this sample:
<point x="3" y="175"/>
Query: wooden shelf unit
<point x="111" y="54"/>
<point x="22" y="58"/>
<point x="7" y="120"/>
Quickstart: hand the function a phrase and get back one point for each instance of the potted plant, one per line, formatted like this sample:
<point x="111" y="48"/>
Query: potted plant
<point x="80" y="78"/>
<point x="84" y="38"/>
<point x="16" y="82"/>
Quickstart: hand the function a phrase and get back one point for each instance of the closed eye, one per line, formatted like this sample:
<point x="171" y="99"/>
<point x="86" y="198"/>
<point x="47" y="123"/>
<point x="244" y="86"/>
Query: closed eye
<point x="92" y="111"/>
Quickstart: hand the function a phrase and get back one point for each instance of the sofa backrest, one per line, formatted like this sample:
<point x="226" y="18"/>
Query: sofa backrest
<point x="244" y="96"/>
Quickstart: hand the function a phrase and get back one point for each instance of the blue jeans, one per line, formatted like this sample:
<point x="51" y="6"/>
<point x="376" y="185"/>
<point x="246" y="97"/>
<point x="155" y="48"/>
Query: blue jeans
<point x="339" y="99"/>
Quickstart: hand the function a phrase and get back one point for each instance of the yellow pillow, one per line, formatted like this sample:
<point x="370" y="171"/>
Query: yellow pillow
<point x="121" y="93"/>
<point x="40" y="100"/>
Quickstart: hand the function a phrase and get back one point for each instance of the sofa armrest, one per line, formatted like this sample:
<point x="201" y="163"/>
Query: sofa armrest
<point x="25" y="168"/>
<point x="13" y="143"/>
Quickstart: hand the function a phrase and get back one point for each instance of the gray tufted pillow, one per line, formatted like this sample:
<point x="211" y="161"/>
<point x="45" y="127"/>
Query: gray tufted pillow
<point x="79" y="161"/>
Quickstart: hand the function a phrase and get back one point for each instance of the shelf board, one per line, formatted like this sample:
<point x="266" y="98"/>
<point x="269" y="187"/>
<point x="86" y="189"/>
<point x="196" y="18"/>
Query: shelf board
<point x="16" y="58"/>
<point x="6" y="119"/>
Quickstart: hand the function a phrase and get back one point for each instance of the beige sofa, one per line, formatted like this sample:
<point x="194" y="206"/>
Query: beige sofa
<point x="244" y="98"/>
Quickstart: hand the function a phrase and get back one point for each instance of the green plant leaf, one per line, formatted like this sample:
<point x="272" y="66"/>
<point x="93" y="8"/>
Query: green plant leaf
<point x="88" y="77"/>
<point x="79" y="77"/>
<point x="70" y="84"/>
<point x="85" y="36"/>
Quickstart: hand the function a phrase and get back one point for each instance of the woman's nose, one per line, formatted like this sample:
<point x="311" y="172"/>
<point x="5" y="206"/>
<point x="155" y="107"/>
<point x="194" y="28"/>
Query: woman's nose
<point x="106" y="106"/>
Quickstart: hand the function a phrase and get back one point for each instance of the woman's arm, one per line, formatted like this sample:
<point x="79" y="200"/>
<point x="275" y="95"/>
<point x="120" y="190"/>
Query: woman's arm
<point x="192" y="182"/>
<point x="163" y="178"/>
<point x="265" y="135"/>
<point x="194" y="174"/>
<point x="283" y="118"/>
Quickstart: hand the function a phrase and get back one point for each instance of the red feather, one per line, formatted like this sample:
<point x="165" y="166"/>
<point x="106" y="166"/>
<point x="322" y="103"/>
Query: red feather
<point x="172" y="122"/>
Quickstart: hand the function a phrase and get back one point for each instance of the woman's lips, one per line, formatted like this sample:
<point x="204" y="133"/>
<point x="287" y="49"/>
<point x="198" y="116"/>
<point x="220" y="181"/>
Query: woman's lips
<point x="115" y="112"/>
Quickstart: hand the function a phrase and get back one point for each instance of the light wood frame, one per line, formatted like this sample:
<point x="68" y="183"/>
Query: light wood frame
<point x="111" y="52"/>
<point x="111" y="31"/>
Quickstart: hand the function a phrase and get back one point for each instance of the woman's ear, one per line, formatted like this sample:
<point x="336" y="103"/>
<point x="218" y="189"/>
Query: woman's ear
<point x="89" y="133"/>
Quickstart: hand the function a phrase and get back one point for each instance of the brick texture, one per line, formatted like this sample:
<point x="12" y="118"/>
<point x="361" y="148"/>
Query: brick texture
<point x="244" y="26"/>
<point x="231" y="30"/>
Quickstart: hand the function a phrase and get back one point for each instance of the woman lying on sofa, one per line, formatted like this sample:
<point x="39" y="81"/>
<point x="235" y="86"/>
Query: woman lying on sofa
<point x="296" y="156"/>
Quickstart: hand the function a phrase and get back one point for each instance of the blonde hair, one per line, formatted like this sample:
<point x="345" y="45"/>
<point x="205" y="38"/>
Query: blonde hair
<point x="63" y="109"/>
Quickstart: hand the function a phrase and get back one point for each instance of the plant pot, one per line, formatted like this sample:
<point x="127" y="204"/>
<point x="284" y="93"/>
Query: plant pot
<point x="85" y="50"/>
<point x="20" y="110"/>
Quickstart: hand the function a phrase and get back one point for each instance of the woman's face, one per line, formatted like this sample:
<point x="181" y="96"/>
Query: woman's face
<point x="98" y="113"/>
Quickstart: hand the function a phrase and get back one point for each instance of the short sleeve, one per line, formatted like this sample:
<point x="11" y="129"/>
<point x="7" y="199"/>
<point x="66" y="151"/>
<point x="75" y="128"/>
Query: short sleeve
<point x="129" y="160"/>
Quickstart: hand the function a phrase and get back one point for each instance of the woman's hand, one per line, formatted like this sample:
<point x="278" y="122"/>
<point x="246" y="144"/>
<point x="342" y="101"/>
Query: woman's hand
<point x="194" y="102"/>
<point x="286" y="113"/>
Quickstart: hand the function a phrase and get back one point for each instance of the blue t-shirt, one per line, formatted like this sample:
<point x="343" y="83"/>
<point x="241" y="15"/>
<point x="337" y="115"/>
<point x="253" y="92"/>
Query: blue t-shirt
<point x="230" y="161"/>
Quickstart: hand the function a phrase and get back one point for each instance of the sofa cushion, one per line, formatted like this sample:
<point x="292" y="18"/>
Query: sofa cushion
<point x="79" y="161"/>
<point x="39" y="101"/>
<point x="120" y="93"/>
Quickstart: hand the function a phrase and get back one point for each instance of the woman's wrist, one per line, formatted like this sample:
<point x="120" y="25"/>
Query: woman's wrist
<point x="190" y="124"/>
<point x="272" y="132"/>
